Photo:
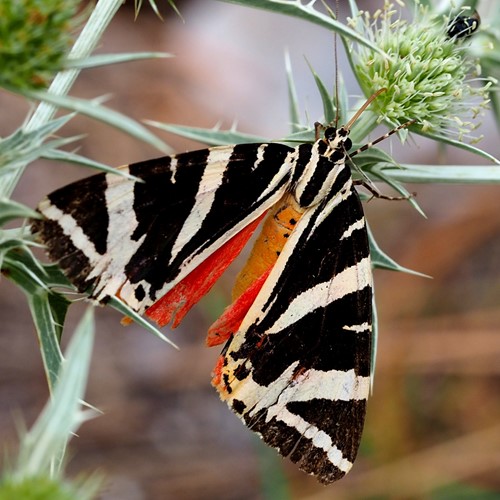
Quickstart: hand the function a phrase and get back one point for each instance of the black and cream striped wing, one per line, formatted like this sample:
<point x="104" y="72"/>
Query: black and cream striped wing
<point x="114" y="235"/>
<point x="298" y="370"/>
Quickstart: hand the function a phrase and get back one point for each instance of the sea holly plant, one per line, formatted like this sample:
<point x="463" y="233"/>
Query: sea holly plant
<point x="427" y="77"/>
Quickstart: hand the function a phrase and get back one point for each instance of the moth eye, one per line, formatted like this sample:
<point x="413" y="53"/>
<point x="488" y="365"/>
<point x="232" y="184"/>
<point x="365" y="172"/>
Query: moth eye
<point x="330" y="133"/>
<point x="347" y="144"/>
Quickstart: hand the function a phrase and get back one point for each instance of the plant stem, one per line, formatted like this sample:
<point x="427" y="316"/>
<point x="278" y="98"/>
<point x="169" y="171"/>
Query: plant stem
<point x="446" y="174"/>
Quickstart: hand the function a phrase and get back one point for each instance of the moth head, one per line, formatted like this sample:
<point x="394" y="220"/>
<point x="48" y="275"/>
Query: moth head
<point x="338" y="138"/>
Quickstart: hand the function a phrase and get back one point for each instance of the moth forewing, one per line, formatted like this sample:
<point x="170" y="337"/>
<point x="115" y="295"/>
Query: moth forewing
<point x="116" y="236"/>
<point x="297" y="371"/>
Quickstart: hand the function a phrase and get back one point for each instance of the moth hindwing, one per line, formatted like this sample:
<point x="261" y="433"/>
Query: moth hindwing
<point x="296" y="364"/>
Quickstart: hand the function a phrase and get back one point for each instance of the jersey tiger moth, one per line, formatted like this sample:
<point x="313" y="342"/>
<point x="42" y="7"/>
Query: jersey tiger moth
<point x="296" y="364"/>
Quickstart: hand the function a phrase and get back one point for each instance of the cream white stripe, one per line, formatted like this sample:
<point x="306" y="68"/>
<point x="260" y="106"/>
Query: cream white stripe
<point x="285" y="168"/>
<point x="255" y="396"/>
<point x="332" y="385"/>
<point x="341" y="195"/>
<point x="308" y="172"/>
<point x="211" y="180"/>
<point x="120" y="245"/>
<point x="363" y="327"/>
<point x="173" y="169"/>
<point x="319" y="439"/>
<point x="359" y="224"/>
<point x="71" y="229"/>
<point x="347" y="281"/>
<point x="260" y="156"/>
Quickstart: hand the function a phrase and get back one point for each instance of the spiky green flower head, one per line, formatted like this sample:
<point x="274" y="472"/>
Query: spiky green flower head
<point x="427" y="74"/>
<point x="35" y="36"/>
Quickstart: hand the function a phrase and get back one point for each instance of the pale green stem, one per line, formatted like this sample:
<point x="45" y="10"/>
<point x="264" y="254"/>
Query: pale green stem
<point x="446" y="174"/>
<point x="98" y="21"/>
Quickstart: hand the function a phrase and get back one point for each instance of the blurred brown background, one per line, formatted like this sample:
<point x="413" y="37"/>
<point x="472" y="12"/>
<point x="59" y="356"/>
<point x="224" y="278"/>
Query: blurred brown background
<point x="433" y="420"/>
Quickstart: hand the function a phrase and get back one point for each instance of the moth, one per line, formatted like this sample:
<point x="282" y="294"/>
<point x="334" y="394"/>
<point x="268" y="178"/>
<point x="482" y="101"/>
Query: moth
<point x="296" y="362"/>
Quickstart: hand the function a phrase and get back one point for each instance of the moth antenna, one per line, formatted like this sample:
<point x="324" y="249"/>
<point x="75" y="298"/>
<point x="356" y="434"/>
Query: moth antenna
<point x="350" y="123"/>
<point x="334" y="15"/>
<point x="336" y="64"/>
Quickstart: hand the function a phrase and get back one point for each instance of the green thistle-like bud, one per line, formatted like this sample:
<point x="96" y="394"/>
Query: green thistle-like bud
<point x="427" y="74"/>
<point x="35" y="36"/>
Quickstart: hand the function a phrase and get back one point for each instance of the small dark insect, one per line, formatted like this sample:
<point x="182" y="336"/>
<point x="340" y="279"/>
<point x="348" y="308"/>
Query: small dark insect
<point x="463" y="26"/>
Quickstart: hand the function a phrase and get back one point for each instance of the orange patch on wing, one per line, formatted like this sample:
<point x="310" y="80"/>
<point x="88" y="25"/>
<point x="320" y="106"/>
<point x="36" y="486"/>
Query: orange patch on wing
<point x="275" y="232"/>
<point x="233" y="315"/>
<point x="174" y="305"/>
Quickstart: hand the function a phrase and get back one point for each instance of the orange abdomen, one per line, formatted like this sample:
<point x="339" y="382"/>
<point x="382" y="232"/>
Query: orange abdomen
<point x="277" y="227"/>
